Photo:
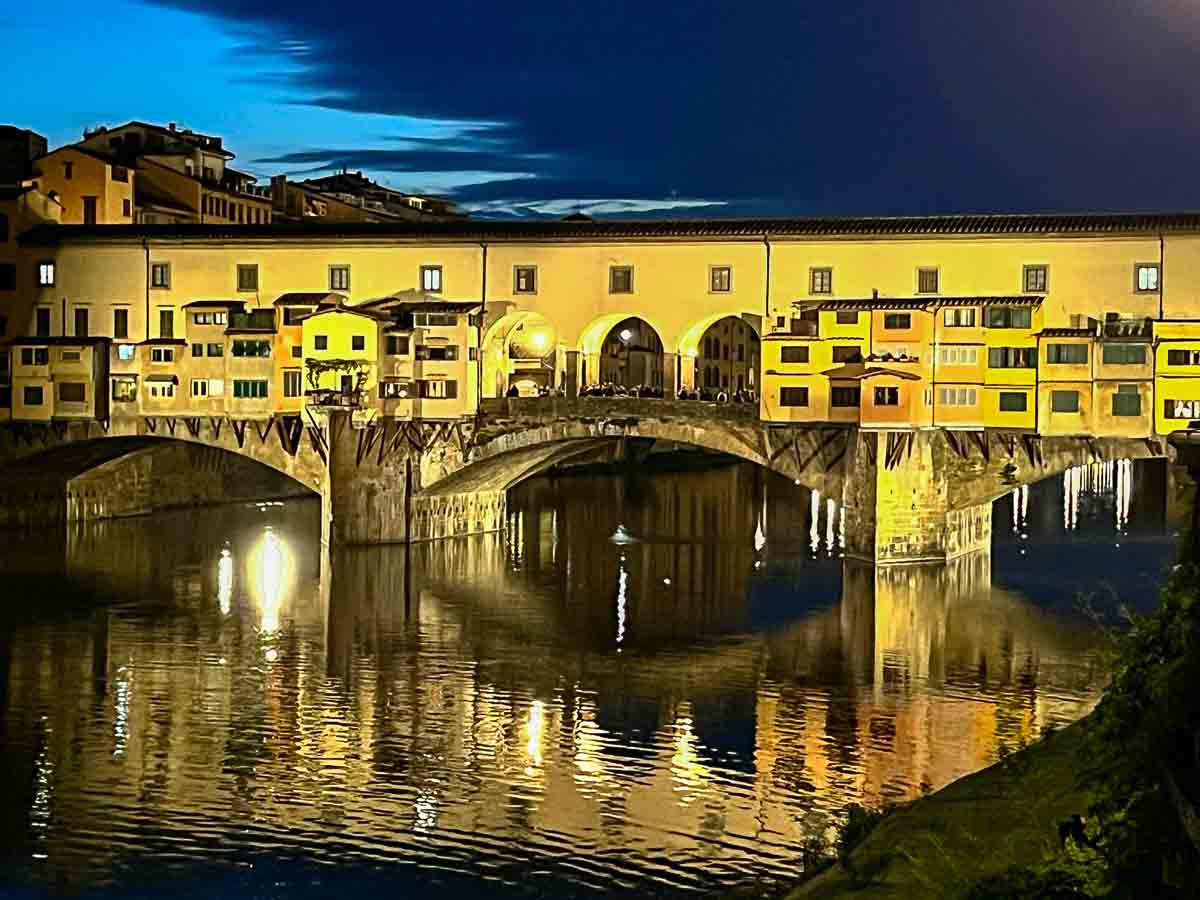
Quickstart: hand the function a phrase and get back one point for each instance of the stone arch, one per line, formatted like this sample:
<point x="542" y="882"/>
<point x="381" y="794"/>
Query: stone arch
<point x="636" y="364"/>
<point x="734" y="370"/>
<point x="501" y="369"/>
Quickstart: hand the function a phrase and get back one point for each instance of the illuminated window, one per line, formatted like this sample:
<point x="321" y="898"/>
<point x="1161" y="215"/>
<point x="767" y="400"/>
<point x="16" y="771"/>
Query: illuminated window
<point x="431" y="278"/>
<point x="958" y="356"/>
<point x="1035" y="279"/>
<point x="927" y="281"/>
<point x="46" y="274"/>
<point x="210" y="318"/>
<point x="125" y="352"/>
<point x="793" y="396"/>
<point x="959" y="317"/>
<point x="720" y="279"/>
<point x="339" y="278"/>
<point x="1064" y="401"/>
<point x="438" y="390"/>
<point x="124" y="390"/>
<point x="820" y="281"/>
<point x="395" y="390"/>
<point x="35" y="356"/>
<point x="1146" y="277"/>
<point x="1181" y="409"/>
<point x="525" y="279"/>
<point x="620" y="279"/>
<point x="216" y="349"/>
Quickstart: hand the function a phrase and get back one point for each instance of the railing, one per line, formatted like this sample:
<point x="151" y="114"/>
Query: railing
<point x="330" y="398"/>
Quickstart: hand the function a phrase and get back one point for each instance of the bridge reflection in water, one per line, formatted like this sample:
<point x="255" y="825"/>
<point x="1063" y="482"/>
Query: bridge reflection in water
<point x="543" y="707"/>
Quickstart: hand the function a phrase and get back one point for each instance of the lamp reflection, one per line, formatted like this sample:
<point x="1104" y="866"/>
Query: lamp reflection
<point x="534" y="730"/>
<point x="272" y="570"/>
<point x="225" y="581"/>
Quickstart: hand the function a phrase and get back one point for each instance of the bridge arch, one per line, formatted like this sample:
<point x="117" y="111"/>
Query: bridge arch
<point x="624" y="348"/>
<point x="523" y="348"/>
<point x="720" y="352"/>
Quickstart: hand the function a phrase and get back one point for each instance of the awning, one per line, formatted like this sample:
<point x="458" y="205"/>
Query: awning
<point x="214" y="304"/>
<point x="167" y="379"/>
<point x="855" y="372"/>
<point x="310" y="298"/>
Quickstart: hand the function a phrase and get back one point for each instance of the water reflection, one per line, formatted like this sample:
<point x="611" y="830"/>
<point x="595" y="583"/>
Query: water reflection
<point x="544" y="709"/>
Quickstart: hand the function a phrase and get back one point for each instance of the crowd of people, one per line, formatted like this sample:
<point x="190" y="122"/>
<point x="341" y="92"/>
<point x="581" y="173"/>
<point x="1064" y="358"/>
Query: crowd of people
<point x="608" y="389"/>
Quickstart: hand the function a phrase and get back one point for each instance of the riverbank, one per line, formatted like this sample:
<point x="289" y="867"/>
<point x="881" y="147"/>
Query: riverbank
<point x="939" y="846"/>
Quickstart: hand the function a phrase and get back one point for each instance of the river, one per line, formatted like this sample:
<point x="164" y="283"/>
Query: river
<point x="196" y="703"/>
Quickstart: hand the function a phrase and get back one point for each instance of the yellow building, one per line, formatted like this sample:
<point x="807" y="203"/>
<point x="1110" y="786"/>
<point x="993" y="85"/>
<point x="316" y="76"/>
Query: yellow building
<point x="93" y="189"/>
<point x="1176" y="375"/>
<point x="341" y="355"/>
<point x="59" y="379"/>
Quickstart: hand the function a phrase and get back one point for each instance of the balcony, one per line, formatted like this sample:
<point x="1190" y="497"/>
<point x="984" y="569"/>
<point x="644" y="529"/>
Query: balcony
<point x="252" y="320"/>
<point x="331" y="399"/>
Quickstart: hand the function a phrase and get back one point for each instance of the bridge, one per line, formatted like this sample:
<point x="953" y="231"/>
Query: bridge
<point x="907" y="495"/>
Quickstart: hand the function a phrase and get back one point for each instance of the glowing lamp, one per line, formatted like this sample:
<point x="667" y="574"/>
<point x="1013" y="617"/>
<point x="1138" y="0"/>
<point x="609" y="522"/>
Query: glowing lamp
<point x="626" y="334"/>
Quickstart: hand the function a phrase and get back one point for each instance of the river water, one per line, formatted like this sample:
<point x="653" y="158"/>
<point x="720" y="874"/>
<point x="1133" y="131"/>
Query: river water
<point x="197" y="704"/>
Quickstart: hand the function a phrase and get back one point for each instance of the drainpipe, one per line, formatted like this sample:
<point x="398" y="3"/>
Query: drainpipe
<point x="1161" y="273"/>
<point x="146" y="250"/>
<point x="479" y="335"/>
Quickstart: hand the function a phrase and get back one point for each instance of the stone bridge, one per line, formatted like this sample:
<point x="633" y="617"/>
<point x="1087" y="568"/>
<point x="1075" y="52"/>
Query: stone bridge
<point x="907" y="495"/>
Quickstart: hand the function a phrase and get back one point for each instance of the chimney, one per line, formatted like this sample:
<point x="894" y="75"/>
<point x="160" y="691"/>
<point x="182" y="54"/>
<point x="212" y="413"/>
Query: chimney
<point x="170" y="126"/>
<point x="279" y="192"/>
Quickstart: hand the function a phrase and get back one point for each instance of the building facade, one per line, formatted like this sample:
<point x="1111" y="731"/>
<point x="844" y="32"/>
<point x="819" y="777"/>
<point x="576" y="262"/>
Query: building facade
<point x="1041" y="324"/>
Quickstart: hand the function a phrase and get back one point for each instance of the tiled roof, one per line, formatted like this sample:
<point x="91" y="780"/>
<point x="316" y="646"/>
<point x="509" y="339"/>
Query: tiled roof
<point x="215" y="304"/>
<point x="309" y="298"/>
<point x="733" y="229"/>
<point x="917" y="303"/>
<point x="1067" y="332"/>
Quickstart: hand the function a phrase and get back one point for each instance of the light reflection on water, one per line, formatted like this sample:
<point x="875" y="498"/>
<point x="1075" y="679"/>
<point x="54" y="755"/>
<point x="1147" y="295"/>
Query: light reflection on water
<point x="548" y="710"/>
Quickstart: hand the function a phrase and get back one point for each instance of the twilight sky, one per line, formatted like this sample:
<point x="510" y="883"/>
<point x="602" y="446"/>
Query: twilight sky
<point x="660" y="107"/>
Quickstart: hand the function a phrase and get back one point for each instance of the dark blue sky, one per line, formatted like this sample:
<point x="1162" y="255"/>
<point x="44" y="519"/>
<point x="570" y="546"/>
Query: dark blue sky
<point x="684" y="108"/>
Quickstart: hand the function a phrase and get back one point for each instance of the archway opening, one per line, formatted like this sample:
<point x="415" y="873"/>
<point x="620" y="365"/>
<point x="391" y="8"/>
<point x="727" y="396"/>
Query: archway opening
<point x="720" y="355"/>
<point x="522" y="356"/>
<point x="629" y="358"/>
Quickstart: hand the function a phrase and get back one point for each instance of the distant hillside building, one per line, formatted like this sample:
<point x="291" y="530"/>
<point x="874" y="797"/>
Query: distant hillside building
<point x="349" y="196"/>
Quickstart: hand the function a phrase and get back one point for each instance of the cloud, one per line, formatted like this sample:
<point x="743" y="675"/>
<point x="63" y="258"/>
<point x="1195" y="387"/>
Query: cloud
<point x="851" y="107"/>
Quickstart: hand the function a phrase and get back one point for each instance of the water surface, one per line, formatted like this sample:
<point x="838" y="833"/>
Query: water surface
<point x="198" y="703"/>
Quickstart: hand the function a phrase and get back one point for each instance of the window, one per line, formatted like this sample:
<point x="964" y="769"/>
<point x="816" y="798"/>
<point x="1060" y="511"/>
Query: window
<point x="1012" y="358"/>
<point x="1067" y="354"/>
<point x="42" y="321"/>
<point x="620" y="279"/>
<point x="249" y="389"/>
<point x="126" y="352"/>
<point x="32" y="395"/>
<point x="1127" y="401"/>
<point x="793" y="396"/>
<point x="887" y="396"/>
<point x="720" y="279"/>
<point x="70" y="355"/>
<point x="1064" y="401"/>
<point x="449" y="352"/>
<point x="1013" y="401"/>
<point x="1183" y="357"/>
<point x="216" y="349"/>
<point x="339" y="278"/>
<point x="957" y="396"/>
<point x="45" y="274"/>
<point x="1124" y="354"/>
<point x="1009" y="317"/>
<point x="395" y="390"/>
<point x="126" y="207"/>
<point x="68" y="170"/>
<point x="161" y="389"/>
<point x="358" y="342"/>
<point x="8" y="276"/>
<point x="3" y="325"/>
<point x="844" y="397"/>
<point x="959" y="317"/>
<point x="1181" y="409"/>
<point x="431" y="278"/>
<point x="321" y="341"/>
<point x="1145" y="277"/>
<point x="120" y="173"/>
<point x="1035" y="279"/>
<point x="397" y="345"/>
<point x="958" y="356"/>
<point x="434" y="319"/>
<point x="124" y="390"/>
<point x="847" y="354"/>
<point x="897" y="320"/>
<point x="294" y="315"/>
<point x="199" y="387"/>
<point x="35" y="356"/>
<point x="120" y="323"/>
<point x="820" y="281"/>
<point x="927" y="281"/>
<point x="291" y="383"/>
<point x="162" y="354"/>
<point x="81" y="321"/>
<point x="197" y="349"/>
<point x="247" y="277"/>
<point x="211" y="318"/>
<point x="166" y="323"/>
<point x="524" y="279"/>
<point x="793" y="354"/>
<point x="439" y="390"/>
<point x="216" y="387"/>
<point x="259" y="349"/>
<point x="847" y="316"/>
<point x="297" y="351"/>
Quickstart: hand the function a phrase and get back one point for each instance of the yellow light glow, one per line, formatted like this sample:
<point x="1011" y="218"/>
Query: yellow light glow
<point x="539" y="340"/>
<point x="225" y="581"/>
<point x="534" y="730"/>
<point x="272" y="569"/>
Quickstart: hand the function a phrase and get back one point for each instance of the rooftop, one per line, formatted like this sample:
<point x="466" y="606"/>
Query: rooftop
<point x="1080" y="224"/>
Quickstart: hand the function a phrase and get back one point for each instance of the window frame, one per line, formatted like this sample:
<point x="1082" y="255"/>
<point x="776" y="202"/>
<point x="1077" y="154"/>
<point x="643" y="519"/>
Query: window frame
<point x="358" y="343"/>
<point x="890" y="394"/>
<point x="714" y="271"/>
<point x="1030" y="268"/>
<point x="800" y="392"/>
<point x="836" y="394"/>
<point x="1137" y="280"/>
<point x="244" y="269"/>
<point x="1058" y="350"/>
<point x="334" y="270"/>
<point x="612" y="279"/>
<point x="532" y="271"/>
<point x="155" y="269"/>
<point x="820" y="280"/>
<point x="1128" y="392"/>
<point x="800" y="349"/>
<point x="905" y="316"/>
<point x="430" y="269"/>
<point x="320" y="342"/>
<point x="1054" y="402"/>
<point x="47" y="269"/>
<point x="1105" y="347"/>
<point x="937" y="280"/>
<point x="298" y="377"/>
<point x="957" y="312"/>
<point x="1024" y="395"/>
